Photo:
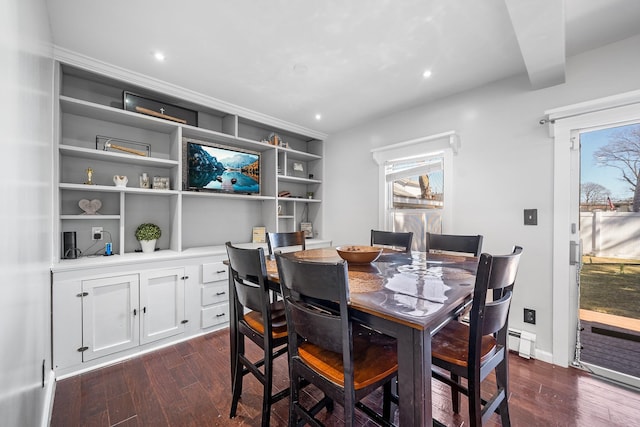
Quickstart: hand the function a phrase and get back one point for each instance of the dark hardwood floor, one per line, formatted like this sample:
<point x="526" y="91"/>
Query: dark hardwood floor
<point x="188" y="384"/>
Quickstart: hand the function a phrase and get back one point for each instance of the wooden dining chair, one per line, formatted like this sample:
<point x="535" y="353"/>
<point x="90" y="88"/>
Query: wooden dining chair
<point x="454" y="243"/>
<point x="342" y="358"/>
<point x="258" y="319"/>
<point x="395" y="239"/>
<point x="282" y="240"/>
<point x="475" y="350"/>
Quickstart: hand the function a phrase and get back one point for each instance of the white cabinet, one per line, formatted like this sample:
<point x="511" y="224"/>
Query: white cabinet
<point x="122" y="312"/>
<point x="215" y="295"/>
<point x="162" y="304"/>
<point x="110" y="315"/>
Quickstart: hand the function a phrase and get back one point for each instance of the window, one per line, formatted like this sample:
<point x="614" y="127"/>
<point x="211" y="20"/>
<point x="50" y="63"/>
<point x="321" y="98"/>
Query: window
<point x="415" y="180"/>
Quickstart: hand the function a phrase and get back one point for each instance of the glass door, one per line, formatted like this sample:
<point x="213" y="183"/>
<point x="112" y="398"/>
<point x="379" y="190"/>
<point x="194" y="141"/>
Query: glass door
<point x="609" y="229"/>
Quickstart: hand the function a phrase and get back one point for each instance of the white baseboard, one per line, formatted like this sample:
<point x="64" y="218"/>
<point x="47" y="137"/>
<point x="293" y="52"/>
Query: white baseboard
<point x="50" y="392"/>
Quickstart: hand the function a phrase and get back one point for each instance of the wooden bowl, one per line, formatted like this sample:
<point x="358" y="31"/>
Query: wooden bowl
<point x="359" y="254"/>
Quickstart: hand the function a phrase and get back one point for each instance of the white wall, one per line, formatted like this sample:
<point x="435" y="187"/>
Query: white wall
<point x="504" y="166"/>
<point x="25" y="218"/>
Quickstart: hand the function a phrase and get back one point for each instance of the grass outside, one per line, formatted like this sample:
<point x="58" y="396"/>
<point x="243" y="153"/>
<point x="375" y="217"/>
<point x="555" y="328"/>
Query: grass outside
<point x="611" y="286"/>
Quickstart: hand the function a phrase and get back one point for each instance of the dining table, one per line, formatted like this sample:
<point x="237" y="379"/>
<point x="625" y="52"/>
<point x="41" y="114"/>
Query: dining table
<point x="409" y="296"/>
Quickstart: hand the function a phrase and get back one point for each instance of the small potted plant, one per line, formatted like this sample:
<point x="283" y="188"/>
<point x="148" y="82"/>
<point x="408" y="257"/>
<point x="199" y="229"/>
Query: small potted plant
<point x="147" y="234"/>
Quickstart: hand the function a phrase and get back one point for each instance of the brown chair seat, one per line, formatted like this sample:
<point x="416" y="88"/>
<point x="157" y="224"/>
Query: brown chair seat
<point x="451" y="344"/>
<point x="371" y="362"/>
<point x="278" y="320"/>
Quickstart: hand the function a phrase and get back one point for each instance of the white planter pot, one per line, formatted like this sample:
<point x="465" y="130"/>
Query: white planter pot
<point x="148" y="246"/>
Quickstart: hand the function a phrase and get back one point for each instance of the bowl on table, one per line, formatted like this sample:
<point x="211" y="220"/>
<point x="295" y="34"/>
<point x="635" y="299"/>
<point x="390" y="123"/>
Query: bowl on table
<point x="359" y="254"/>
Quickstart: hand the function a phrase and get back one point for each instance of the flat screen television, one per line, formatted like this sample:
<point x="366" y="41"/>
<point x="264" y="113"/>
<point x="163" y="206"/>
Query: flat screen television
<point x="212" y="167"/>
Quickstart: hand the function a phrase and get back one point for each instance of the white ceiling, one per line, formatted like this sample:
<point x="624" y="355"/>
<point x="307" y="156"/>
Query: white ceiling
<point x="349" y="60"/>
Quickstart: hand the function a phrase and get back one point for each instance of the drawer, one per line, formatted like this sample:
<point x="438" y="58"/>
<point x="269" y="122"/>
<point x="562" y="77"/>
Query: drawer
<point x="213" y="272"/>
<point x="216" y="315"/>
<point x="215" y="293"/>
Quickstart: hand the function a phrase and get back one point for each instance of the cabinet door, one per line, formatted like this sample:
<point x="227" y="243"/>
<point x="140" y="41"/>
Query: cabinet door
<point x="162" y="303"/>
<point x="109" y="315"/>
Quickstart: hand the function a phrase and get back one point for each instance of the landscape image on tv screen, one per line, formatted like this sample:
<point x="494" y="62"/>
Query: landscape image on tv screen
<point x="223" y="169"/>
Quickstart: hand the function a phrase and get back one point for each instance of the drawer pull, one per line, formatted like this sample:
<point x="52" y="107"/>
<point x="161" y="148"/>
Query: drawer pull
<point x="221" y="315"/>
<point x="221" y="271"/>
<point x="184" y="321"/>
<point x="220" y="293"/>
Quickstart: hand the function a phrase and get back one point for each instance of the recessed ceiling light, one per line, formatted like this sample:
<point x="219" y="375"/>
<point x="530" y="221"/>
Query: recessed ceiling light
<point x="159" y="56"/>
<point x="318" y="116"/>
<point x="426" y="74"/>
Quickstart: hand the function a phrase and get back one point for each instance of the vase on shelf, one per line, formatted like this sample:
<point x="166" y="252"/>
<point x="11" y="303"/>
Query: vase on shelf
<point x="148" y="246"/>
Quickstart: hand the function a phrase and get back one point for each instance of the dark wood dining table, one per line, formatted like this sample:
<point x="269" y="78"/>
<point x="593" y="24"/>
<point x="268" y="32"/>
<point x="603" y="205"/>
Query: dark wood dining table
<point x="409" y="296"/>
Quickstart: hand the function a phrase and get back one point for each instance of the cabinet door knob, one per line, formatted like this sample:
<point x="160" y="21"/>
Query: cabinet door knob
<point x="184" y="277"/>
<point x="135" y="312"/>
<point x="81" y="349"/>
<point x="82" y="294"/>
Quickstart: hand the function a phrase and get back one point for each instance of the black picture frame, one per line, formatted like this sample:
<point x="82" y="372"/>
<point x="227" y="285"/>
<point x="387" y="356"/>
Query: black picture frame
<point x="160" y="109"/>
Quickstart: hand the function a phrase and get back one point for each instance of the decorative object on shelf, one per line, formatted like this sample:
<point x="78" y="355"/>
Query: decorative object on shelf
<point x="307" y="227"/>
<point x="259" y="235"/>
<point x="147" y="234"/>
<point x="284" y="194"/>
<point x="279" y="209"/>
<point x="90" y="207"/>
<point x="310" y="176"/>
<point x="159" y="109"/>
<point x="309" y="194"/>
<point x="107" y="143"/>
<point x="274" y="139"/>
<point x="120" y="180"/>
<point x="298" y="169"/>
<point x="89" y="176"/>
<point x="161" y="183"/>
<point x="144" y="181"/>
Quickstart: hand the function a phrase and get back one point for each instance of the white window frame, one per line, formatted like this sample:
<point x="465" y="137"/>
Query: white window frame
<point x="446" y="144"/>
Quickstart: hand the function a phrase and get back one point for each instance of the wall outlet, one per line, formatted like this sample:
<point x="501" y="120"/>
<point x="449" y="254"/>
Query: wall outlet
<point x="96" y="233"/>
<point x="530" y="316"/>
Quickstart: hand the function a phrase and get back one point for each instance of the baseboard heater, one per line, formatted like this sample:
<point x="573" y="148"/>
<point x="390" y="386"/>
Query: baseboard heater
<point x="522" y="342"/>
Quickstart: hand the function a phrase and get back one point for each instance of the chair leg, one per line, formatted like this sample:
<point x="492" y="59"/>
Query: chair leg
<point x="268" y="386"/>
<point x="502" y="382"/>
<point x="455" y="394"/>
<point x="475" y="403"/>
<point x="386" y="400"/>
<point x="236" y="381"/>
<point x="293" y="400"/>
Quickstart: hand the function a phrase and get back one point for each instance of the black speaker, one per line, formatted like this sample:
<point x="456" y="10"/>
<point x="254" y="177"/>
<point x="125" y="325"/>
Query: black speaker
<point x="69" y="249"/>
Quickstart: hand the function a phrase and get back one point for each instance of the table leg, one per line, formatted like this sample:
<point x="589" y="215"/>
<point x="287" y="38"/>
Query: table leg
<point x="414" y="377"/>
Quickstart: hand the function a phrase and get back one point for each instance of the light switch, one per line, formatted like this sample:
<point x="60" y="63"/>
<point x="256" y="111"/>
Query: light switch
<point x="531" y="217"/>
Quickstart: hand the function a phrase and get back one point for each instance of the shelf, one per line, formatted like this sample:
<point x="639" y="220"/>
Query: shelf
<point x="287" y="178"/>
<point x="299" y="155"/>
<point x="286" y="217"/>
<point x="109" y="114"/>
<point x="90" y="217"/>
<point x="114" y="189"/>
<point x="87" y="153"/>
<point x="215" y="195"/>
<point x="298" y="200"/>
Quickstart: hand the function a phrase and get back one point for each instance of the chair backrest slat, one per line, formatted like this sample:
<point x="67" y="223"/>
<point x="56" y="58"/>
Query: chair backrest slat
<point x="455" y="243"/>
<point x="396" y="239"/>
<point x="283" y="240"/>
